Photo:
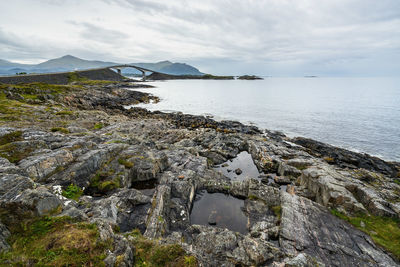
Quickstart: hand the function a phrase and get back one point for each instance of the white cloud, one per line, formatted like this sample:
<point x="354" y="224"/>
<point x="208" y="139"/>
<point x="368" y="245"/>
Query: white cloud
<point x="322" y="37"/>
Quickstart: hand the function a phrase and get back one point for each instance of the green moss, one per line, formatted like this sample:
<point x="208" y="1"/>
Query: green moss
<point x="55" y="241"/>
<point x="65" y="112"/>
<point x="14" y="153"/>
<point x="277" y="211"/>
<point x="126" y="163"/>
<point x="60" y="129"/>
<point x="150" y="253"/>
<point x="72" y="192"/>
<point x="98" y="126"/>
<point x="397" y="181"/>
<point x="384" y="231"/>
<point x="11" y="137"/>
<point x="109" y="185"/>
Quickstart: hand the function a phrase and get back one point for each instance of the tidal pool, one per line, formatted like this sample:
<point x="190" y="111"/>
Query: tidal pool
<point x="244" y="162"/>
<point x="219" y="210"/>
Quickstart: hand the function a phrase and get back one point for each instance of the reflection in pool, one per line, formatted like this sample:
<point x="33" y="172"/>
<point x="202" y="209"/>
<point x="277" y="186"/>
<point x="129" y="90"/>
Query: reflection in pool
<point x="221" y="210"/>
<point x="244" y="162"/>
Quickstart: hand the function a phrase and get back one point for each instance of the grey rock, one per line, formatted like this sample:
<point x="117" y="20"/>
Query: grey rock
<point x="309" y="228"/>
<point x="4" y="234"/>
<point x="238" y="171"/>
<point x="212" y="218"/>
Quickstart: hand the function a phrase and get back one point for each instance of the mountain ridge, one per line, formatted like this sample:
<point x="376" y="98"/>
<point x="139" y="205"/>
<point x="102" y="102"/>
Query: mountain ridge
<point x="71" y="63"/>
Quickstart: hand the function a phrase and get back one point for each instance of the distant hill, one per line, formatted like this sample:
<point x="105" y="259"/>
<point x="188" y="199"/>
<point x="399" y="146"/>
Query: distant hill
<point x="70" y="63"/>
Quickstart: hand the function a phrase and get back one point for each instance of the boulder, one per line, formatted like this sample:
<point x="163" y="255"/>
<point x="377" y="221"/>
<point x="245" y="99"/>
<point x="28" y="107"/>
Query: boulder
<point x="309" y="228"/>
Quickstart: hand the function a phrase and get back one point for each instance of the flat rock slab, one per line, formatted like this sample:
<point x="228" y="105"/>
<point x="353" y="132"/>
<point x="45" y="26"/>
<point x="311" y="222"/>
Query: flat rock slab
<point x="309" y="228"/>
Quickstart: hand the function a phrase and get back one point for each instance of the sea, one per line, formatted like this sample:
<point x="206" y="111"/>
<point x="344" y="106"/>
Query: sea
<point x="359" y="114"/>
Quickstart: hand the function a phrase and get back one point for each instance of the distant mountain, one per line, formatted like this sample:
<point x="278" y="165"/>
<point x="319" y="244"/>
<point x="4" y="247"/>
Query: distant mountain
<point x="70" y="63"/>
<point x="170" y="68"/>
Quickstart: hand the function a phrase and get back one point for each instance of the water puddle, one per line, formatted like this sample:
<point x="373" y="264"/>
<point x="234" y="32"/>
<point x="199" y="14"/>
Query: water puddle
<point x="219" y="210"/>
<point x="240" y="168"/>
<point x="146" y="187"/>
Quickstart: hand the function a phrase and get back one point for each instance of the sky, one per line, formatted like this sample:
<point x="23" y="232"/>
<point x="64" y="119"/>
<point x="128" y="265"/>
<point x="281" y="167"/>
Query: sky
<point x="263" y="37"/>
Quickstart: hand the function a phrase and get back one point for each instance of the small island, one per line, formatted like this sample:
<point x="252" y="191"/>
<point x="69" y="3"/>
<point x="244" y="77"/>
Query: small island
<point x="249" y="77"/>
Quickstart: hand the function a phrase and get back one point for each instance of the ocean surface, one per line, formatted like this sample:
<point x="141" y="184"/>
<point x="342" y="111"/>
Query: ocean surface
<point x="360" y="114"/>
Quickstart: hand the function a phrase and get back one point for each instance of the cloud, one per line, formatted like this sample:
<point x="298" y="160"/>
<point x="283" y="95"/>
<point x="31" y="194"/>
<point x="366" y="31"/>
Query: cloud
<point x="304" y="35"/>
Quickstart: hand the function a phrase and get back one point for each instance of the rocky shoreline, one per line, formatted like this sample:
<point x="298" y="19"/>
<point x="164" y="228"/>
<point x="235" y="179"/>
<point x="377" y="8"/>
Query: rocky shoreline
<point x="76" y="164"/>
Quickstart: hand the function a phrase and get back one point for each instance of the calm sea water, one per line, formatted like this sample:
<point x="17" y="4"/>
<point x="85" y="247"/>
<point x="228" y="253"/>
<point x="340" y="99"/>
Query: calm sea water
<point x="361" y="114"/>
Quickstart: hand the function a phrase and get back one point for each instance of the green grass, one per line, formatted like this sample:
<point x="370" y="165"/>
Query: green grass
<point x="60" y="129"/>
<point x="55" y="241"/>
<point x="11" y="137"/>
<point x="72" y="192"/>
<point x="150" y="253"/>
<point x="277" y="211"/>
<point x="384" y="231"/>
<point x="65" y="112"/>
<point x="397" y="181"/>
<point x="126" y="163"/>
<point x="11" y="151"/>
<point x="98" y="126"/>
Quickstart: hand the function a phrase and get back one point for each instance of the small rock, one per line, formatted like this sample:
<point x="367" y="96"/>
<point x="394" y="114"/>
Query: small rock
<point x="362" y="224"/>
<point x="224" y="165"/>
<point x="181" y="176"/>
<point x="238" y="171"/>
<point x="282" y="180"/>
<point x="212" y="219"/>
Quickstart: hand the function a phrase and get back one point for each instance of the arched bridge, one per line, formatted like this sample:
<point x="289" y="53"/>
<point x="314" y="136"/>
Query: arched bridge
<point x="118" y="68"/>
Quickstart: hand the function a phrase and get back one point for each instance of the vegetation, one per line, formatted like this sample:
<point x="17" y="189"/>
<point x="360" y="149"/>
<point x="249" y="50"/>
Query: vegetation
<point x="55" y="241"/>
<point x="384" y="231"/>
<point x="11" y="151"/>
<point x="72" y="192"/>
<point x="126" y="163"/>
<point x="104" y="182"/>
<point x="151" y="254"/>
<point x="277" y="211"/>
<point x="11" y="137"/>
<point x="98" y="126"/>
<point x="65" y="112"/>
<point x="60" y="129"/>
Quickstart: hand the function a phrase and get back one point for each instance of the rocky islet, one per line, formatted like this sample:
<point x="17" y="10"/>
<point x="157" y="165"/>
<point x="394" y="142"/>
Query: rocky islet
<point x="139" y="170"/>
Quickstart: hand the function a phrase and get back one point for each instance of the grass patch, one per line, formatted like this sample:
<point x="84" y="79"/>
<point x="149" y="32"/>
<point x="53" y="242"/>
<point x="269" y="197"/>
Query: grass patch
<point x="56" y="241"/>
<point x="397" y="181"/>
<point x="126" y="163"/>
<point x="277" y="211"/>
<point x="384" y="231"/>
<point x="72" y="192"/>
<point x="11" y="137"/>
<point x="150" y="253"/>
<point x="65" y="112"/>
<point x="15" y="153"/>
<point x="60" y="129"/>
<point x="98" y="126"/>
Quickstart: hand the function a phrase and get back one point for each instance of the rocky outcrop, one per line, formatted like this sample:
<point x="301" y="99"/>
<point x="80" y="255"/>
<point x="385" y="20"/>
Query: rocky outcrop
<point x="310" y="229"/>
<point x="133" y="169"/>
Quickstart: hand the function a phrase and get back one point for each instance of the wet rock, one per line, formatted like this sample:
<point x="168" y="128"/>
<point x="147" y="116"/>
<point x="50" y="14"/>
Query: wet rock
<point x="344" y="158"/>
<point x="212" y="218"/>
<point x="238" y="171"/>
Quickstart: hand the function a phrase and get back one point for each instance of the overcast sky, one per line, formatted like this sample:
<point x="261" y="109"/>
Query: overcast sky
<point x="274" y="37"/>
